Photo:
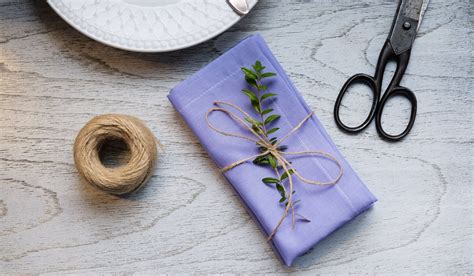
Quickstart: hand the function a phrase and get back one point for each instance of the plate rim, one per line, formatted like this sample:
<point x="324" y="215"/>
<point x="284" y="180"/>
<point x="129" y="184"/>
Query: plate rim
<point x="146" y="50"/>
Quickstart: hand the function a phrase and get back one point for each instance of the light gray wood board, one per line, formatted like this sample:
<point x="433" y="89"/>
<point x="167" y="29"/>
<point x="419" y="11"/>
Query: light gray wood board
<point x="188" y="219"/>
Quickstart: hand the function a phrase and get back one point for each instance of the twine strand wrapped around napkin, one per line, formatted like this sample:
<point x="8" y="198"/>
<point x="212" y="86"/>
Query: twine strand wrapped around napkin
<point x="274" y="150"/>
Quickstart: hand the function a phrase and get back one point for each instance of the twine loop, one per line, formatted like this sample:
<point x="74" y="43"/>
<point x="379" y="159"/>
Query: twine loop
<point x="274" y="150"/>
<point x="140" y="141"/>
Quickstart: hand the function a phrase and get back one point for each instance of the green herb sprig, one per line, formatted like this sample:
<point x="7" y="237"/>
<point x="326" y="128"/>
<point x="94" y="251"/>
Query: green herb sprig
<point x="264" y="125"/>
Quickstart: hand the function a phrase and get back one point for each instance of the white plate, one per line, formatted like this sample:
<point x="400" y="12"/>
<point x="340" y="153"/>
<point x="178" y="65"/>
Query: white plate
<point x="148" y="25"/>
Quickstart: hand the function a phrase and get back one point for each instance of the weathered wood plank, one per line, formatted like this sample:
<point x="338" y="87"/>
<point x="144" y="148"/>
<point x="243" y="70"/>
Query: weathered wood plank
<point x="53" y="80"/>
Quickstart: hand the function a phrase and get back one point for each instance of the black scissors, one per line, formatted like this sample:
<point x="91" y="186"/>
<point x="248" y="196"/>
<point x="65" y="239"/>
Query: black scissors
<point x="397" y="47"/>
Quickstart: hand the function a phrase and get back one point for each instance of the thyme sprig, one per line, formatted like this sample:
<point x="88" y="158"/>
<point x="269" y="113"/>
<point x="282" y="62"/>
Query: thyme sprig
<point x="265" y="126"/>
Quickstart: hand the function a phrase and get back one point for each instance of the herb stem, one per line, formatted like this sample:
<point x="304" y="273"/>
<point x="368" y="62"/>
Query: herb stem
<point x="264" y="128"/>
<point x="272" y="148"/>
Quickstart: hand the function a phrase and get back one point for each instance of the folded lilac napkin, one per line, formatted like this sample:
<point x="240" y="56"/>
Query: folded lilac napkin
<point x="328" y="207"/>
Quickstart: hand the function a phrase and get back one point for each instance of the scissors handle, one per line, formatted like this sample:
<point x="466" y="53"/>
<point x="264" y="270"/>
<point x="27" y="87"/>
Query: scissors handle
<point x="397" y="91"/>
<point x="388" y="54"/>
<point x="375" y="84"/>
<point x="370" y="82"/>
<point x="393" y="89"/>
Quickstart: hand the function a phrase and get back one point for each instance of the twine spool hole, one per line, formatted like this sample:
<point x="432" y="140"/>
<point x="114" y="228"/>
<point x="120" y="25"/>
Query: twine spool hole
<point x="115" y="153"/>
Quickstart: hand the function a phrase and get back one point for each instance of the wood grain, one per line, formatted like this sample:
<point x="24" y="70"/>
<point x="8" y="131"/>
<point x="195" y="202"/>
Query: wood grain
<point x="187" y="219"/>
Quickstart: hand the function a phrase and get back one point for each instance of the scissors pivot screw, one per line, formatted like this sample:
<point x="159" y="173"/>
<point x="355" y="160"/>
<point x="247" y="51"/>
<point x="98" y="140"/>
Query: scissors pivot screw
<point x="406" y="25"/>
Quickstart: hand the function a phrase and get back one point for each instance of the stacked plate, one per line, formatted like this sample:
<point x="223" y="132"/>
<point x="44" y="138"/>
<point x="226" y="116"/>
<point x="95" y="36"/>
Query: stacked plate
<point x="151" y="25"/>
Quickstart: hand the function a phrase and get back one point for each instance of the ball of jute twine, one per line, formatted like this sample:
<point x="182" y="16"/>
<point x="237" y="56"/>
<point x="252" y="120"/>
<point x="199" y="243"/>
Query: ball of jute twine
<point x="140" y="141"/>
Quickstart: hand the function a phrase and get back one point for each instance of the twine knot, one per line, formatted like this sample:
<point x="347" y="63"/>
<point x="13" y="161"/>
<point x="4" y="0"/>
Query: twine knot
<point x="275" y="149"/>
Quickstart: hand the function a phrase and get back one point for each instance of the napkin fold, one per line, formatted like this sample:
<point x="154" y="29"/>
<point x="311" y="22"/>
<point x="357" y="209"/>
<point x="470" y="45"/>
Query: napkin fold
<point x="328" y="207"/>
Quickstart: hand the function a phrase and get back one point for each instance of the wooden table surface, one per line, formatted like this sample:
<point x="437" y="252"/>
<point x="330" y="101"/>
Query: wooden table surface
<point x="187" y="219"/>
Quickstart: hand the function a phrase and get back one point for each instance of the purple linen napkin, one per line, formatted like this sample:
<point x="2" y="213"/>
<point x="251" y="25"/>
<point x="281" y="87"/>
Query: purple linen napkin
<point x="327" y="208"/>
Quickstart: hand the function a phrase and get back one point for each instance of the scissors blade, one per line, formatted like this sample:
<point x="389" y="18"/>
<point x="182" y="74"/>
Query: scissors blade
<point x="424" y="6"/>
<point x="415" y="9"/>
<point x="406" y="23"/>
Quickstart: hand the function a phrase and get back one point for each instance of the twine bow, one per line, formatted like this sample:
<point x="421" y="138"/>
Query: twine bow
<point x="274" y="150"/>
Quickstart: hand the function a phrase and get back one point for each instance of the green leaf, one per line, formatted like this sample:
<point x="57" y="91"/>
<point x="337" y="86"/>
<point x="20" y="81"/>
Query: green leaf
<point x="253" y="99"/>
<point x="282" y="148"/>
<point x="271" y="118"/>
<point x="250" y="120"/>
<point x="256" y="106"/>
<point x="274" y="140"/>
<point x="261" y="160"/>
<point x="258" y="159"/>
<point x="251" y="81"/>
<point x="282" y="200"/>
<point x="285" y="174"/>
<point x="258" y="66"/>
<point x="272" y="161"/>
<point x="257" y="129"/>
<point x="268" y="95"/>
<point x="249" y="73"/>
<point x="273" y="130"/>
<point x="250" y="94"/>
<point x="281" y="190"/>
<point x="267" y="75"/>
<point x="255" y="124"/>
<point x="266" y="111"/>
<point x="262" y="87"/>
<point x="271" y="180"/>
